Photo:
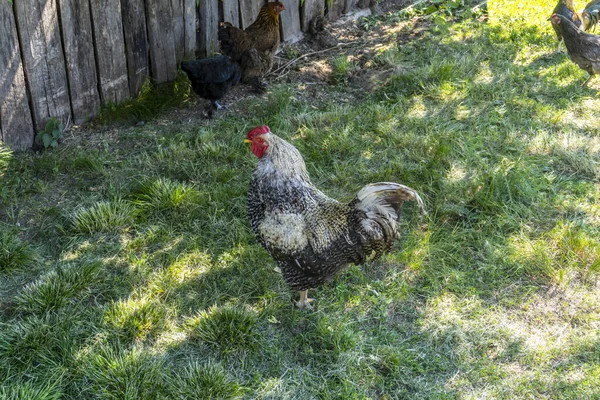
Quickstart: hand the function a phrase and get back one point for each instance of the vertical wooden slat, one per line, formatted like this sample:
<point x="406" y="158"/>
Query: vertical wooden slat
<point x="349" y="5"/>
<point x="290" y="21"/>
<point x="16" y="126"/>
<point x="249" y="11"/>
<point x="208" y="16"/>
<point x="310" y="10"/>
<point x="335" y="8"/>
<point x="110" y="50"/>
<point x="136" y="43"/>
<point x="163" y="58"/>
<point x="189" y="20"/>
<point x="231" y="12"/>
<point x="79" y="54"/>
<point x="178" y="29"/>
<point x="43" y="59"/>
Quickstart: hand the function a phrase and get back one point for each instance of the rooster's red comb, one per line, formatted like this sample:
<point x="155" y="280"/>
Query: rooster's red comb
<point x="259" y="130"/>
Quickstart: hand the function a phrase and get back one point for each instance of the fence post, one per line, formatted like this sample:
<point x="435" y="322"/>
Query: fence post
<point x="43" y="60"/>
<point x="110" y="50"/>
<point x="163" y="58"/>
<point x="16" y="127"/>
<point x="136" y="43"/>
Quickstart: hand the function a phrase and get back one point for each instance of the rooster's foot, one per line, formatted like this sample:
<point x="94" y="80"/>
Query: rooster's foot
<point x="218" y="106"/>
<point x="304" y="301"/>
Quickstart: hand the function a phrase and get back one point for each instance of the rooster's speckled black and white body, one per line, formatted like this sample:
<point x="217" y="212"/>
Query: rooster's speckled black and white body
<point x="310" y="235"/>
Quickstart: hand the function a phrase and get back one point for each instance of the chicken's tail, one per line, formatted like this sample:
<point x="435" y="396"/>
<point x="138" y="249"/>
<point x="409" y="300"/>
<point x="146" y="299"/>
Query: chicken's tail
<point x="590" y="16"/>
<point x="386" y="198"/>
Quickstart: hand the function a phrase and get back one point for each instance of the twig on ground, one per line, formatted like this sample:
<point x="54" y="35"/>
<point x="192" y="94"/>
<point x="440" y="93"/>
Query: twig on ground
<point x="312" y="53"/>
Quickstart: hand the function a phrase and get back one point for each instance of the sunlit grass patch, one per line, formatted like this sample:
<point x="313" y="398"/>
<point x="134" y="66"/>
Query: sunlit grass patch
<point x="104" y="216"/>
<point x="206" y="381"/>
<point x="61" y="286"/>
<point x="229" y="329"/>
<point x="14" y="254"/>
<point x="136" y="319"/>
<point x="558" y="254"/>
<point x="164" y="195"/>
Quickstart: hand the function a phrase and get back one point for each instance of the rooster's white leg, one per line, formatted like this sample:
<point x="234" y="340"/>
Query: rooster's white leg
<point x="304" y="300"/>
<point x="559" y="43"/>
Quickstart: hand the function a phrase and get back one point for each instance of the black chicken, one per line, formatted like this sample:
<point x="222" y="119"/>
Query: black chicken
<point x="566" y="9"/>
<point x="211" y="78"/>
<point x="583" y="48"/>
<point x="310" y="235"/>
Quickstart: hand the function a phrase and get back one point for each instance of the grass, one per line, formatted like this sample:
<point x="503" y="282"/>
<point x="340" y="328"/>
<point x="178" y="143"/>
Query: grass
<point x="128" y="269"/>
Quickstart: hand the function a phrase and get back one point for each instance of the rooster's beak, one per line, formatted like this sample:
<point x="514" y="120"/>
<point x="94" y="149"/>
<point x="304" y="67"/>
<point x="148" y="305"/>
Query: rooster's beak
<point x="247" y="141"/>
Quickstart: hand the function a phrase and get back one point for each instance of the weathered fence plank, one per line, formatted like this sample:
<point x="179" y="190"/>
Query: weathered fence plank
<point x="208" y="17"/>
<point x="189" y="21"/>
<point x="290" y="21"/>
<point x="16" y="126"/>
<point x="136" y="43"/>
<point x="335" y="9"/>
<point x="249" y="11"/>
<point x="110" y="50"/>
<point x="349" y="5"/>
<point x="231" y="12"/>
<point x="81" y="63"/>
<point x="163" y="58"/>
<point x="310" y="10"/>
<point x="43" y="59"/>
<point x="177" y="23"/>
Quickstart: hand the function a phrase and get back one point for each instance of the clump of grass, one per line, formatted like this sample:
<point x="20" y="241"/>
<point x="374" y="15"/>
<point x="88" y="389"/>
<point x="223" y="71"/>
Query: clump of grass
<point x="165" y="195"/>
<point x="65" y="284"/>
<point x="104" y="216"/>
<point x="20" y="389"/>
<point x="576" y="163"/>
<point x="342" y="67"/>
<point x="14" y="254"/>
<point x="85" y="162"/>
<point x="150" y="102"/>
<point x="227" y="328"/>
<point x="116" y="374"/>
<point x="45" y="342"/>
<point x="136" y="320"/>
<point x="208" y="381"/>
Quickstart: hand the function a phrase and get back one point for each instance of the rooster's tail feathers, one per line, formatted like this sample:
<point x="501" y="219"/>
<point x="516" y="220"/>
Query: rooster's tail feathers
<point x="387" y="197"/>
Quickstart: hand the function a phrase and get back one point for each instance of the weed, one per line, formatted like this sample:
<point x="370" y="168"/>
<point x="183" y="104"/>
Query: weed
<point x="51" y="135"/>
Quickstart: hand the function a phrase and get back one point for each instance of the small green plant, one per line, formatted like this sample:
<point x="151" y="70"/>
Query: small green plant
<point x="51" y="134"/>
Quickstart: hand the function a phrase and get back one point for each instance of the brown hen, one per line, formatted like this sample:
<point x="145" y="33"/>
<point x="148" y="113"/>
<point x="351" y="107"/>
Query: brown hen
<point x="254" y="47"/>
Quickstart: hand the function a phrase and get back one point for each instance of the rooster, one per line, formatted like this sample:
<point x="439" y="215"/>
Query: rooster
<point x="310" y="235"/>
<point x="590" y="15"/>
<point x="254" y="47"/>
<point x="565" y="8"/>
<point x="211" y="78"/>
<point x="583" y="48"/>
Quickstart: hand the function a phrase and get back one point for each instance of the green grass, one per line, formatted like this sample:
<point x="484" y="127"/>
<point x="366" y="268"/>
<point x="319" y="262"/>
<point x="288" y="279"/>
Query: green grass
<point x="128" y="269"/>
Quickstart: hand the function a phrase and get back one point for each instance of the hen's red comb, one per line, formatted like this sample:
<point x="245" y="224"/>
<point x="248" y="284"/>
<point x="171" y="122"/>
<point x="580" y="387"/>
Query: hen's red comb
<point x="259" y="130"/>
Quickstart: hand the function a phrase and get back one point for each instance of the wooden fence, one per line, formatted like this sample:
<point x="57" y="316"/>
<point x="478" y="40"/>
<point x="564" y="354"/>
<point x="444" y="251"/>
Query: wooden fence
<point x="65" y="58"/>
